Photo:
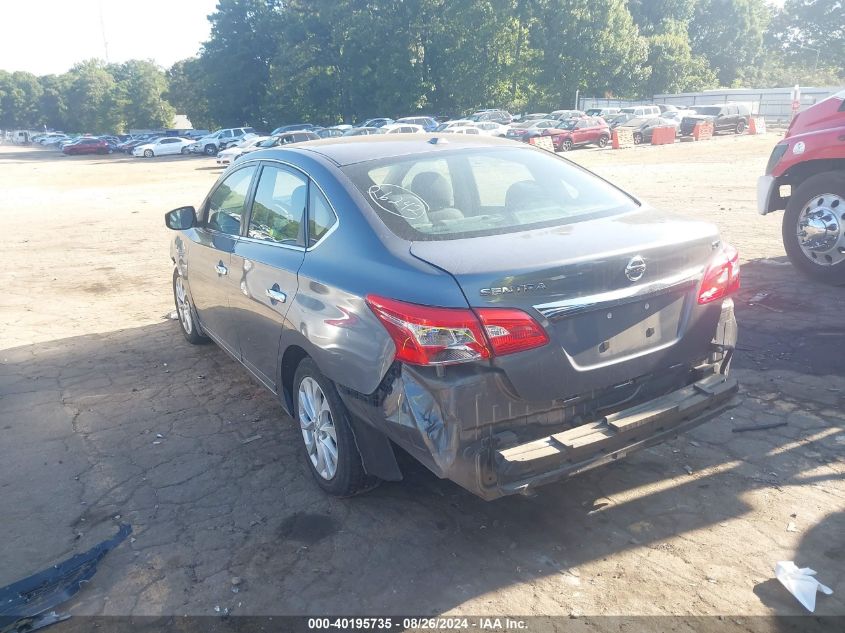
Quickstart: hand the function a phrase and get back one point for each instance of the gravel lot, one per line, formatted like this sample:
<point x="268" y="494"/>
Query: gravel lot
<point x="91" y="373"/>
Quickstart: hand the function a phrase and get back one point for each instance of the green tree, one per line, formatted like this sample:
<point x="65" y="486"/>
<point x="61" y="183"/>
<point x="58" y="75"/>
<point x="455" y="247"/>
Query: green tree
<point x="811" y="35"/>
<point x="93" y="100"/>
<point x="20" y="93"/>
<point x="673" y="66"/>
<point x="660" y="16"/>
<point x="186" y="92"/>
<point x="245" y="35"/>
<point x="140" y="86"/>
<point x="589" y="45"/>
<point x="729" y="34"/>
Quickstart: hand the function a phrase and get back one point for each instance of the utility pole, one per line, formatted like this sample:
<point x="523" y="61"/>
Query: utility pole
<point x="103" y="31"/>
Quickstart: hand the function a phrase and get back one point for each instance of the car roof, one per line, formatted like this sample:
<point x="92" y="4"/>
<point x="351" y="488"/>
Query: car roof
<point x="346" y="150"/>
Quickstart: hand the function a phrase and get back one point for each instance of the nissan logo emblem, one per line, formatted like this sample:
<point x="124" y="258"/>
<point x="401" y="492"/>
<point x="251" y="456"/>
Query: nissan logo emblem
<point x="635" y="268"/>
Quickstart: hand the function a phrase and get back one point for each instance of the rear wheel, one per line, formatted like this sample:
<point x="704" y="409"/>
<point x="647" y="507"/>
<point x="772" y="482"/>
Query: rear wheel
<point x="638" y="138"/>
<point x="603" y="141"/>
<point x="148" y="153"/>
<point x="185" y="311"/>
<point x="814" y="228"/>
<point x="566" y="145"/>
<point x="327" y="438"/>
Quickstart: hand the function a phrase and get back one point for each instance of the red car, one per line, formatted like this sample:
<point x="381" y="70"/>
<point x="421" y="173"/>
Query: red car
<point x="573" y="132"/>
<point x="806" y="177"/>
<point x="87" y="146"/>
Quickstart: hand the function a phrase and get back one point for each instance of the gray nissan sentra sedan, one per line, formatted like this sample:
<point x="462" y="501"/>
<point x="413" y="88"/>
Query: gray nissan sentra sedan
<point x="501" y="314"/>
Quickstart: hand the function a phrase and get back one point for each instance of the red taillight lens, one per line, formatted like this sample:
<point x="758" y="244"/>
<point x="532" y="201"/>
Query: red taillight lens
<point x="430" y="336"/>
<point x="722" y="277"/>
<point x="424" y="335"/>
<point x="511" y="331"/>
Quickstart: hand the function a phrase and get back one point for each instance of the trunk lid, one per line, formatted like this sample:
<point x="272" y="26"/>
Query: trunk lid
<point x="605" y="325"/>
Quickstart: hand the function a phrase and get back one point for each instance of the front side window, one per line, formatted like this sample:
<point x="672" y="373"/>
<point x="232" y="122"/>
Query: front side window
<point x="226" y="205"/>
<point x="482" y="191"/>
<point x="279" y="205"/>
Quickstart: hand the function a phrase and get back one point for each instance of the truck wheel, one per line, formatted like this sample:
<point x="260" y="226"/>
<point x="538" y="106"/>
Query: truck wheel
<point x="330" y="449"/>
<point x="814" y="228"/>
<point x="210" y="150"/>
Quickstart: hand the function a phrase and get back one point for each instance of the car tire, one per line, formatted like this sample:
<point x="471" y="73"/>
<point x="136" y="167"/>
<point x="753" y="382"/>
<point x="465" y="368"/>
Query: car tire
<point x="324" y="425"/>
<point x="188" y="321"/>
<point x="740" y="127"/>
<point x="210" y="150"/>
<point x="185" y="151"/>
<point x="603" y="141"/>
<point x="820" y="198"/>
<point x="148" y="153"/>
<point x="638" y="138"/>
<point x="566" y="145"/>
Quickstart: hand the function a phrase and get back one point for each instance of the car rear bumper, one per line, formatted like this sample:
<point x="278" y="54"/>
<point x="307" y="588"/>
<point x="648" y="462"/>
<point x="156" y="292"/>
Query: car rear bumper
<point x="525" y="466"/>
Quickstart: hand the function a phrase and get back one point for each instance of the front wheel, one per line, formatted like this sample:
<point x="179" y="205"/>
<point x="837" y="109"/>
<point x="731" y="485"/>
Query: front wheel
<point x="210" y="150"/>
<point x="186" y="312"/>
<point x="814" y="228"/>
<point x="740" y="127"/>
<point x="327" y="437"/>
<point x="566" y="145"/>
<point x="148" y="153"/>
<point x="185" y="151"/>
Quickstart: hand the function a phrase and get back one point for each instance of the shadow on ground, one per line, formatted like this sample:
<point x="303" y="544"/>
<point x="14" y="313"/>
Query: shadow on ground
<point x="138" y="426"/>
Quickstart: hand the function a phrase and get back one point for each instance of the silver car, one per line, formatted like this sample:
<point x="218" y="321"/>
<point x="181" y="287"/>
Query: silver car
<point x="504" y="316"/>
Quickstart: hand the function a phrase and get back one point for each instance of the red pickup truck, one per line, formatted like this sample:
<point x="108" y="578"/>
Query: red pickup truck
<point x="806" y="176"/>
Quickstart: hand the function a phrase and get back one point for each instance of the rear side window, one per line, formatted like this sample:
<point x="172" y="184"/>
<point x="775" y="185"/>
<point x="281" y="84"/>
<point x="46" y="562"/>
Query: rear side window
<point x="320" y="216"/>
<point x="278" y="207"/>
<point x="226" y="205"/>
<point x="481" y="191"/>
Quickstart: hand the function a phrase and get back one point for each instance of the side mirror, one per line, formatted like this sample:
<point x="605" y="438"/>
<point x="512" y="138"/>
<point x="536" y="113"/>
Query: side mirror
<point x="181" y="219"/>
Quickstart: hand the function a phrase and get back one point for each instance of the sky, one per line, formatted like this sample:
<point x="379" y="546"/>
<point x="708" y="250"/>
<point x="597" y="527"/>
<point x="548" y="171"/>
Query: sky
<point x="50" y="36"/>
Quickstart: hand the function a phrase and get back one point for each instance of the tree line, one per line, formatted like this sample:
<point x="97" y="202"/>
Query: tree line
<point x="269" y="62"/>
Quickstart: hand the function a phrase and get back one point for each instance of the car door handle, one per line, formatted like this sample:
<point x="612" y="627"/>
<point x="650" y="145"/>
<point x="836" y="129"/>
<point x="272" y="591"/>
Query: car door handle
<point x="274" y="294"/>
<point x="221" y="269"/>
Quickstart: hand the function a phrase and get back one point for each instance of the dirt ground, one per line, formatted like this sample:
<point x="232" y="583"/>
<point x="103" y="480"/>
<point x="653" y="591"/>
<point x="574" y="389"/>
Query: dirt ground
<point x="108" y="416"/>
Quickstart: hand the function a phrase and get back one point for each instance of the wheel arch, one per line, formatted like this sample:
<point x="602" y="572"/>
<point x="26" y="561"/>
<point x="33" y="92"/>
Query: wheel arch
<point x="374" y="447"/>
<point x="800" y="172"/>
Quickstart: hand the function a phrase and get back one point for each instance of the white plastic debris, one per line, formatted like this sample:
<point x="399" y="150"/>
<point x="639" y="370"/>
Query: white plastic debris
<point x="800" y="583"/>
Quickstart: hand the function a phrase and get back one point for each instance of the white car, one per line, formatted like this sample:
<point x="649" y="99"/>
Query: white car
<point x="462" y="129"/>
<point x="227" y="156"/>
<point x="402" y="128"/>
<point x="491" y="128"/>
<point x="163" y="147"/>
<point x="445" y="127"/>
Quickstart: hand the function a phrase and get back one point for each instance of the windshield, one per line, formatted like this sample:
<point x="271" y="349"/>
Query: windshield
<point x="635" y="122"/>
<point x="568" y="124"/>
<point x="270" y="142"/>
<point x="712" y="111"/>
<point x="481" y="191"/>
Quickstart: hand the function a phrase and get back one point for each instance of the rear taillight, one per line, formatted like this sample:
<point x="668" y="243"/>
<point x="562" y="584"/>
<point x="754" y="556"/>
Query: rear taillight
<point x="722" y="276"/>
<point x="511" y="331"/>
<point x="425" y="335"/>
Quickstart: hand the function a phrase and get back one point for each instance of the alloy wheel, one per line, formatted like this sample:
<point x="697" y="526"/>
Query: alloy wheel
<point x="821" y="229"/>
<point x="183" y="306"/>
<point x="316" y="422"/>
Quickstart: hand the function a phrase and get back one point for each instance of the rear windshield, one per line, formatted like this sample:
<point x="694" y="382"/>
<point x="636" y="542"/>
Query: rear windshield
<point x="481" y="191"/>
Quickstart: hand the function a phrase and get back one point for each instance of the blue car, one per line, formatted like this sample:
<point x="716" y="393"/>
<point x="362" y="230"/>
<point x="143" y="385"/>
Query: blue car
<point x="504" y="316"/>
<point x="429" y="124"/>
